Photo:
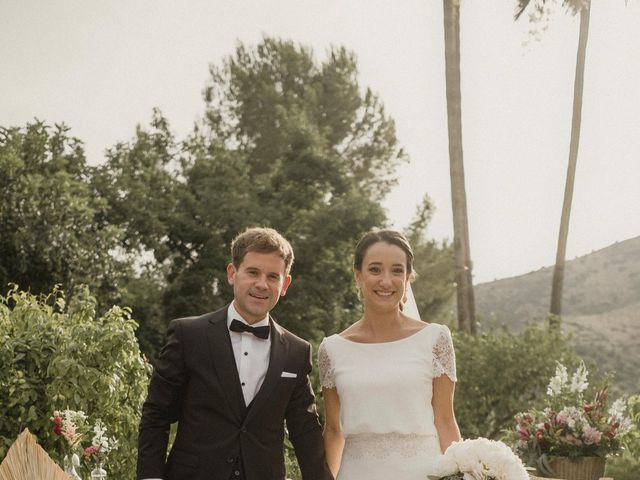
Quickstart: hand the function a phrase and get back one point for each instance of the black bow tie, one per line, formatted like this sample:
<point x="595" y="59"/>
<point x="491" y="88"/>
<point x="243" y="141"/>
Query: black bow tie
<point x="260" y="332"/>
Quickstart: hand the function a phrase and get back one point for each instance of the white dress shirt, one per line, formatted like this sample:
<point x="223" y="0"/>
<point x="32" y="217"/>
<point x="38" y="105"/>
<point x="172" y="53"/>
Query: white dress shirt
<point x="251" y="354"/>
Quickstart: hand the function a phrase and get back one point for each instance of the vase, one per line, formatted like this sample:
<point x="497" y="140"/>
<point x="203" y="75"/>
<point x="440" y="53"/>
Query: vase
<point x="70" y="462"/>
<point x="581" y="468"/>
<point x="98" y="473"/>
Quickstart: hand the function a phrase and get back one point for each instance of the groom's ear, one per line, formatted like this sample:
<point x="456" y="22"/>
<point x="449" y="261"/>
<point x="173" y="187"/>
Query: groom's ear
<point x="285" y="285"/>
<point x="231" y="271"/>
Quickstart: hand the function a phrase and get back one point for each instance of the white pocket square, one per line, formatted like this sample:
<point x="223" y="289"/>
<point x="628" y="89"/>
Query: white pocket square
<point x="288" y="375"/>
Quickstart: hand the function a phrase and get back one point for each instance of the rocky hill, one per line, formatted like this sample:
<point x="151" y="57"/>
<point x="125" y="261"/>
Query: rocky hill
<point x="601" y="306"/>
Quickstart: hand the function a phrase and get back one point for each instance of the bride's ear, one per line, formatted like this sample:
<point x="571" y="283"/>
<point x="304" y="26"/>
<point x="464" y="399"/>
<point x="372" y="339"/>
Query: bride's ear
<point x="357" y="275"/>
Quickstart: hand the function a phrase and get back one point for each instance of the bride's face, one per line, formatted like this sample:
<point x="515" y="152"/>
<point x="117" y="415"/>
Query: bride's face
<point x="383" y="277"/>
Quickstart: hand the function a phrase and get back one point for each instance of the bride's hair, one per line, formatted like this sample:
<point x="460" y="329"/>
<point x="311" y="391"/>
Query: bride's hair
<point x="392" y="237"/>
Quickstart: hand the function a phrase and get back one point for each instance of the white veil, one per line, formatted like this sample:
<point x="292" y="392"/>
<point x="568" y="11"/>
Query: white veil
<point x="410" y="308"/>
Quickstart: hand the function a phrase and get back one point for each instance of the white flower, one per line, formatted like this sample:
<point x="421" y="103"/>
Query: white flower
<point x="618" y="408"/>
<point x="579" y="381"/>
<point x="558" y="381"/>
<point x="479" y="459"/>
<point x="100" y="441"/>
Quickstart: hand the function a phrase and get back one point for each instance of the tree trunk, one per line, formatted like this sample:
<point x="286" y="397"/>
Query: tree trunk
<point x="576" y="121"/>
<point x="464" y="284"/>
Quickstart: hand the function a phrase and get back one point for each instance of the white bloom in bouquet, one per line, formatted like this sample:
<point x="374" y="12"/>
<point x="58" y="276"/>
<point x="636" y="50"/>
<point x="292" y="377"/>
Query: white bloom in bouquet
<point x="479" y="459"/>
<point x="558" y="381"/>
<point x="618" y="409"/>
<point x="579" y="381"/>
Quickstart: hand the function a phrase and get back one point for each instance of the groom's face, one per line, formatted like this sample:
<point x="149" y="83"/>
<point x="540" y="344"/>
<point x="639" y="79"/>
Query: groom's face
<point x="258" y="283"/>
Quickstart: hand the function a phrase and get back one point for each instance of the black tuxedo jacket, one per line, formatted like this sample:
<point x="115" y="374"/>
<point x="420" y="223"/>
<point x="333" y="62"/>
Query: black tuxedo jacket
<point x="196" y="384"/>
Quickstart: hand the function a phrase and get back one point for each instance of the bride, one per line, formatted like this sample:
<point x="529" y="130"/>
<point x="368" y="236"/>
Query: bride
<point x="388" y="379"/>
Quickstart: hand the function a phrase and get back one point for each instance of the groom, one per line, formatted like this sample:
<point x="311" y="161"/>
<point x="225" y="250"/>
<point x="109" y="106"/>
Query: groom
<point x="231" y="378"/>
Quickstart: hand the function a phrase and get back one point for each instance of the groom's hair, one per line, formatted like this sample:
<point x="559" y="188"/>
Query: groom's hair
<point x="392" y="237"/>
<point x="261" y="240"/>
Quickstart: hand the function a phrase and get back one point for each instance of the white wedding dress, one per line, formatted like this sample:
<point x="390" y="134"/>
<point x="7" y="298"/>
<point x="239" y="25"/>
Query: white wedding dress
<point x="385" y="394"/>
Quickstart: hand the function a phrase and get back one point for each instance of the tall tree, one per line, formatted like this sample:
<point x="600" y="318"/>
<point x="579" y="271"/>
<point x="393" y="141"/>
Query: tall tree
<point x="52" y="225"/>
<point x="285" y="141"/>
<point x="583" y="8"/>
<point x="293" y="143"/>
<point x="462" y="251"/>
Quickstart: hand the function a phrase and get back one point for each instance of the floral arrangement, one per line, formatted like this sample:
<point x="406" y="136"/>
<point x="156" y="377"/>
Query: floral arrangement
<point x="576" y="421"/>
<point x="479" y="459"/>
<point x="101" y="445"/>
<point x="71" y="425"/>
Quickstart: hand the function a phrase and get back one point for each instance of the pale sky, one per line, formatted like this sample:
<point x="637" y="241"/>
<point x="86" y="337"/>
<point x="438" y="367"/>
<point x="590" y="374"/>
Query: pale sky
<point x="102" y="66"/>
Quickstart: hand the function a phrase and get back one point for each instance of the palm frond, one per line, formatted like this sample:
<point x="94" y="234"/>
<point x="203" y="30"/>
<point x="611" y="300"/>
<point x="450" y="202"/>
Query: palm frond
<point x="26" y="460"/>
<point x="521" y="6"/>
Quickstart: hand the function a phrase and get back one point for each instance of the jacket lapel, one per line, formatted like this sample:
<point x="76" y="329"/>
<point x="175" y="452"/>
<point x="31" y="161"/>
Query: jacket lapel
<point x="276" y="366"/>
<point x="224" y="362"/>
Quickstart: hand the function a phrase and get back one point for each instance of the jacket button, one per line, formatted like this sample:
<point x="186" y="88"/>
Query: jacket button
<point x="243" y="429"/>
<point x="230" y="459"/>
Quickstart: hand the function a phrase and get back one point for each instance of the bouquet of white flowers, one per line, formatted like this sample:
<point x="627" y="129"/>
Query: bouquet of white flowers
<point x="479" y="459"/>
<point x="576" y="421"/>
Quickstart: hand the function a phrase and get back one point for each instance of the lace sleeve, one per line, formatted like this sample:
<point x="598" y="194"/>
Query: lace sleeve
<point x="444" y="357"/>
<point x="326" y="369"/>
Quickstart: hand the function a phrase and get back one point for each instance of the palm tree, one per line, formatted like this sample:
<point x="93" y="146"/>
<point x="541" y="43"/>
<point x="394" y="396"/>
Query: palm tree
<point x="463" y="277"/>
<point x="583" y="7"/>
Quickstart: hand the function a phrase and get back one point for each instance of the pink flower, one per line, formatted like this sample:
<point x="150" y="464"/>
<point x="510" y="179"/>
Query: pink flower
<point x="591" y="435"/>
<point x="571" y="439"/>
<point x="90" y="451"/>
<point x="562" y="418"/>
<point x="523" y="433"/>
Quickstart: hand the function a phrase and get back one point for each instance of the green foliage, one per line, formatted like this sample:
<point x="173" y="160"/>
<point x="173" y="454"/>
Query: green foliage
<point x="502" y="373"/>
<point x="52" y="228"/>
<point x="290" y="461"/>
<point x="55" y="357"/>
<point x="308" y="154"/>
<point x="627" y="465"/>
<point x="138" y="181"/>
<point x="286" y="141"/>
<point x="433" y="263"/>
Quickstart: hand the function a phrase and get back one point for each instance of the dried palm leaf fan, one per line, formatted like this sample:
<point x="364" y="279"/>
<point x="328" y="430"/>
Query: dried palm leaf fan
<point x="26" y="460"/>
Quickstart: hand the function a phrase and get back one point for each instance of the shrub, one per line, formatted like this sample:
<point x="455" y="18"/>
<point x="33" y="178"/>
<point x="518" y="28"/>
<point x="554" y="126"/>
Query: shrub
<point x="627" y="465"/>
<point x="55" y="357"/>
<point x="502" y="373"/>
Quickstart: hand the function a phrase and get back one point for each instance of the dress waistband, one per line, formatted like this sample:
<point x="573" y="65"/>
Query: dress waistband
<point x="384" y="445"/>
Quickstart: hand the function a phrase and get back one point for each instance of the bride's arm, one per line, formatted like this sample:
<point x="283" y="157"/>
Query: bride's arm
<point x="444" y="417"/>
<point x="333" y="438"/>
